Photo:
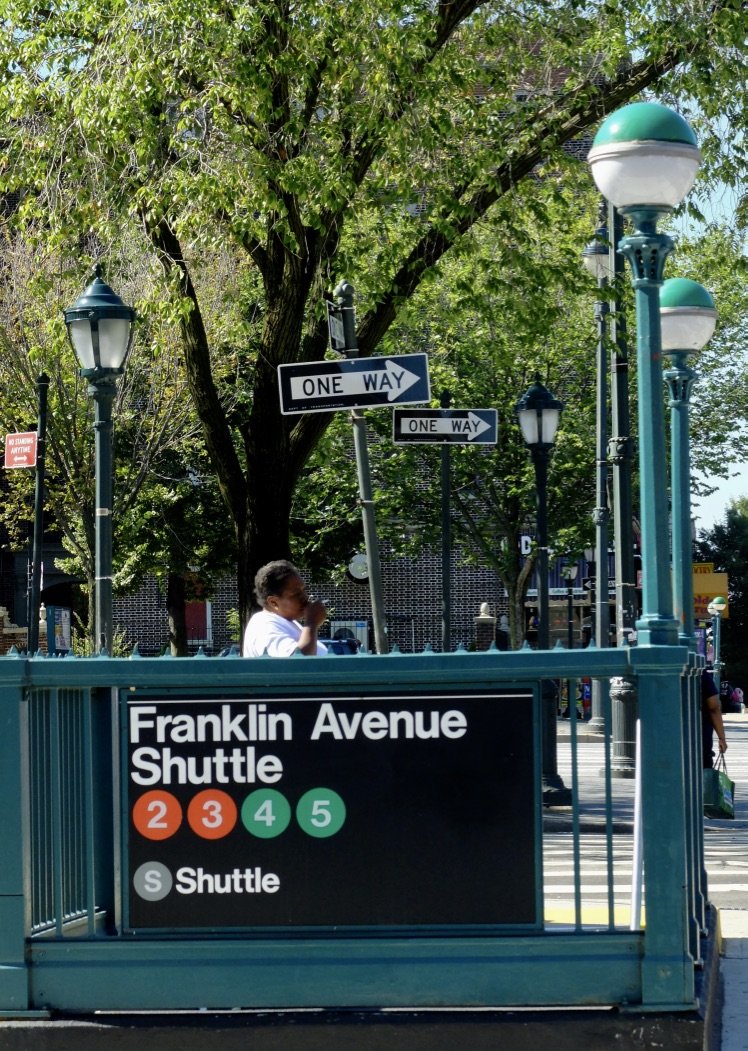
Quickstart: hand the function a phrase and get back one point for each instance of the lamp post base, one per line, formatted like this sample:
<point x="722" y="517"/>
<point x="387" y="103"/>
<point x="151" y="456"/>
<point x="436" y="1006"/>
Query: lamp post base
<point x="555" y="792"/>
<point x="596" y="725"/>
<point x="623" y="696"/>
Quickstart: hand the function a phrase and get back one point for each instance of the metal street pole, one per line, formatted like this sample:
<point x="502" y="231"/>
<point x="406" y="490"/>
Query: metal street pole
<point x="103" y="391"/>
<point x="554" y="792"/>
<point x="540" y="457"/>
<point x="538" y="413"/>
<point x="569" y="574"/>
<point x="647" y="249"/>
<point x="620" y="446"/>
<point x="717" y="640"/>
<point x="601" y="513"/>
<point x="343" y="294"/>
<point x="603" y="260"/>
<point x="715" y="609"/>
<point x="687" y="318"/>
<point x="644" y="159"/>
<point x="680" y="379"/>
<point x="623" y="695"/>
<point x="42" y="389"/>
<point x="446" y="480"/>
<point x="100" y="328"/>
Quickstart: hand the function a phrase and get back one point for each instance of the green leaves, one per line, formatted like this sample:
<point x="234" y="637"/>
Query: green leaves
<point x="253" y="152"/>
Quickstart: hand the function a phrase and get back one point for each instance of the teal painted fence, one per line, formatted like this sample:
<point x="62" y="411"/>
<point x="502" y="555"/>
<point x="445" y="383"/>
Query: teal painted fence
<point x="63" y="945"/>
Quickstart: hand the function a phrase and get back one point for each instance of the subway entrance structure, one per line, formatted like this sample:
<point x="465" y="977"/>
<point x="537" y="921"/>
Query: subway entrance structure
<point x="361" y="831"/>
<point x="354" y="831"/>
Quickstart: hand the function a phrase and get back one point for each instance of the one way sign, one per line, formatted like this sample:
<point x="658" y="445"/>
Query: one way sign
<point x="324" y="386"/>
<point x="442" y="426"/>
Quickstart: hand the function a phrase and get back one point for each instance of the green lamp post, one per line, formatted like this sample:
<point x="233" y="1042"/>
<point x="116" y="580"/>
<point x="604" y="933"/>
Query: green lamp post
<point x="644" y="160"/>
<point x="597" y="260"/>
<point x="569" y="574"/>
<point x="715" y="609"/>
<point x="539" y="413"/>
<point x="100" y="328"/>
<point x="606" y="264"/>
<point x="688" y="318"/>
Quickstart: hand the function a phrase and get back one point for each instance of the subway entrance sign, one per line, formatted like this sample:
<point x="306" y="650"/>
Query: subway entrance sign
<point x="327" y="386"/>
<point x="332" y="812"/>
<point x="445" y="426"/>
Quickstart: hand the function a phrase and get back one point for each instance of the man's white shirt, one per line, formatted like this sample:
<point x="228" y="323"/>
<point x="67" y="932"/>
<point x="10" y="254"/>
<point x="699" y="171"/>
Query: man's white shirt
<point x="268" y="635"/>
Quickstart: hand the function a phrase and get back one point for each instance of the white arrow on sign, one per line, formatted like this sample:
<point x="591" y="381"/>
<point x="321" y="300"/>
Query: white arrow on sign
<point x="470" y="426"/>
<point x="392" y="380"/>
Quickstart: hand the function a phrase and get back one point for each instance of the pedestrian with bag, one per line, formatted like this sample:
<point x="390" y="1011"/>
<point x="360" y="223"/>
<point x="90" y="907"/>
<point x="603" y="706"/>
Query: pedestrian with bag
<point x="718" y="789"/>
<point x="711" y="720"/>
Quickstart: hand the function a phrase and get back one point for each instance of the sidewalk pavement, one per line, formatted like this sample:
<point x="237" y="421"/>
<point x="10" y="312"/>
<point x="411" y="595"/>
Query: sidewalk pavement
<point x="732" y="899"/>
<point x="734" y="983"/>
<point x="726" y="848"/>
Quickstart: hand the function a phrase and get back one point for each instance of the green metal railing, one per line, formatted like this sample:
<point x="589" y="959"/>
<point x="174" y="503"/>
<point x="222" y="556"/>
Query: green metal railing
<point x="59" y="747"/>
<point x="64" y="943"/>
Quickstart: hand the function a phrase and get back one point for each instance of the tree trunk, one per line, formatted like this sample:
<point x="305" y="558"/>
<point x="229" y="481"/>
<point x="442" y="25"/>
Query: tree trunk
<point x="265" y="534"/>
<point x="175" y="592"/>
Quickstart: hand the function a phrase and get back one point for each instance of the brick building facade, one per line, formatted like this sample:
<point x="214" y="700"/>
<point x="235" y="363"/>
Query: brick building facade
<point x="412" y="602"/>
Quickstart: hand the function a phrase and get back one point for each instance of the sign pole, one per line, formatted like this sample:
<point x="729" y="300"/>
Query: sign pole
<point x="446" y="478"/>
<point x="42" y="387"/>
<point x="343" y="294"/>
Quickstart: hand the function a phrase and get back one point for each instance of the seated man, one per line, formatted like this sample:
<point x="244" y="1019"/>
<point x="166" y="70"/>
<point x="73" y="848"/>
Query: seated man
<point x="288" y="620"/>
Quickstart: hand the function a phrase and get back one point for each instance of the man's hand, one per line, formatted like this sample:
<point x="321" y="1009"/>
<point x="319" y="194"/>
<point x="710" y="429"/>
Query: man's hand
<point x="315" y="613"/>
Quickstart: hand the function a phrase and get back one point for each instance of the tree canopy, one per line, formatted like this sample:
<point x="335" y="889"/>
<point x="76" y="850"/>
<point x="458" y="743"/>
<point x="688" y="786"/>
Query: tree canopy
<point x="310" y="143"/>
<point x="726" y="546"/>
<point x="165" y="506"/>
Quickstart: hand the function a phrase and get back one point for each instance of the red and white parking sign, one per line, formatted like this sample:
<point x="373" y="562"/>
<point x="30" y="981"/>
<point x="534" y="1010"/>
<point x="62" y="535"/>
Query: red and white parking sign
<point x="20" y="449"/>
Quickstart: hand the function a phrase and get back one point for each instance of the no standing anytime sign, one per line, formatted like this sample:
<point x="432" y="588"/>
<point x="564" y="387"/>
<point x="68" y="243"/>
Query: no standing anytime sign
<point x="20" y="449"/>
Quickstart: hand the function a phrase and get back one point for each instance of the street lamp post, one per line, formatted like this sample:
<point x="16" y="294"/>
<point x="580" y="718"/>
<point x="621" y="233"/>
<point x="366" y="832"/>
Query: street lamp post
<point x="569" y="574"/>
<point x="42" y="388"/>
<point x="715" y="609"/>
<point x="100" y="328"/>
<point x="596" y="258"/>
<point x="644" y="160"/>
<point x="539" y="413"/>
<point x="606" y="264"/>
<point x="687" y="317"/>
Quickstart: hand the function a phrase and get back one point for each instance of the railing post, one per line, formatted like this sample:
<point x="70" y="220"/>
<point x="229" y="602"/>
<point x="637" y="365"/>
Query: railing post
<point x="13" y="973"/>
<point x="695" y="808"/>
<point x="668" y="965"/>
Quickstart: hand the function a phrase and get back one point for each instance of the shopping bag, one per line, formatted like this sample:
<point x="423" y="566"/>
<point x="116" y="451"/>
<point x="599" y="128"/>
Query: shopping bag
<point x="719" y="791"/>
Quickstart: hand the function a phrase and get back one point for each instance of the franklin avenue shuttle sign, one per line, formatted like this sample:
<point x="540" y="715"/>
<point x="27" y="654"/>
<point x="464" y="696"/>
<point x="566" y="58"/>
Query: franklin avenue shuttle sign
<point x="390" y="810"/>
<point x="325" y="386"/>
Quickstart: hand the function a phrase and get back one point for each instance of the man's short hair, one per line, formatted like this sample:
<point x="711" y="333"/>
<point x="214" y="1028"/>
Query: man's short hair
<point x="272" y="578"/>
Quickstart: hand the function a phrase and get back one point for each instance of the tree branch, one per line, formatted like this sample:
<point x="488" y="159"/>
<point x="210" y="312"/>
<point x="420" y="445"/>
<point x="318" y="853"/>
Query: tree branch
<point x="218" y="438"/>
<point x="556" y="125"/>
